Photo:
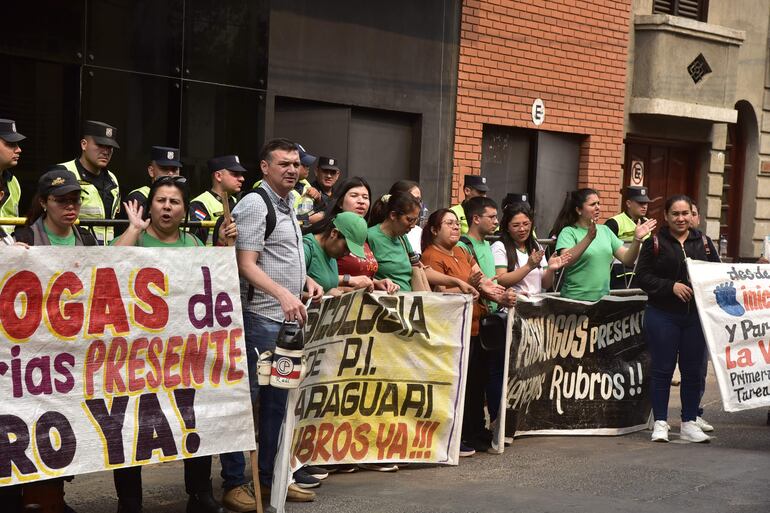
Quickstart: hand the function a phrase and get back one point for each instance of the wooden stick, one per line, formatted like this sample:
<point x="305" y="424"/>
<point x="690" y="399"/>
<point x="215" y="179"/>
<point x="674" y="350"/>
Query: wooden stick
<point x="226" y="206"/>
<point x="255" y="478"/>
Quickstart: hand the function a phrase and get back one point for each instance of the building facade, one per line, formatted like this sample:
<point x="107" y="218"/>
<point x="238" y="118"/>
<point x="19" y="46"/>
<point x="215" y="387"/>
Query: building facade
<point x="698" y="99"/>
<point x="540" y="99"/>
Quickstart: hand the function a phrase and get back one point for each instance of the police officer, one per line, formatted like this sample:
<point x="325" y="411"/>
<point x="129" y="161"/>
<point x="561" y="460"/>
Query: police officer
<point x="101" y="193"/>
<point x="226" y="176"/>
<point x="624" y="225"/>
<point x="164" y="161"/>
<point x="10" y="191"/>
<point x="473" y="186"/>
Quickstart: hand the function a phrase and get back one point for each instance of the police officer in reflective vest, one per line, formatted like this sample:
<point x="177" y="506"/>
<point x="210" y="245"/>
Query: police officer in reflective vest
<point x="164" y="161"/>
<point x="623" y="225"/>
<point x="10" y="191"/>
<point x="101" y="193"/>
<point x="226" y="176"/>
<point x="473" y="186"/>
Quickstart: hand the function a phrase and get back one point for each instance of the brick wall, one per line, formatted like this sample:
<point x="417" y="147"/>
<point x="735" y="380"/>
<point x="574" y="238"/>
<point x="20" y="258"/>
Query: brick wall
<point x="570" y="53"/>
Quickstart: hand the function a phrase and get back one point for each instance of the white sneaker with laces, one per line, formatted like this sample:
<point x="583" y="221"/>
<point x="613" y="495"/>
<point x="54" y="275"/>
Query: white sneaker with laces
<point x="690" y="432"/>
<point x="705" y="426"/>
<point x="660" y="431"/>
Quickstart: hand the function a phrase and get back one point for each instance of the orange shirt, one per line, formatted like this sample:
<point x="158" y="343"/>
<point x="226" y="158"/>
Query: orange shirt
<point x="459" y="265"/>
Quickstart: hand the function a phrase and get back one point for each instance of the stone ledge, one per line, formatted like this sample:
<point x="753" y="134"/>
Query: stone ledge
<point x="689" y="28"/>
<point x="662" y="107"/>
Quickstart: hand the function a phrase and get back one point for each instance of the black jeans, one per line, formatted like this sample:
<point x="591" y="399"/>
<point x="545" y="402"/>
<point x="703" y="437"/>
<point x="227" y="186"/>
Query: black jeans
<point x="197" y="478"/>
<point x="475" y="385"/>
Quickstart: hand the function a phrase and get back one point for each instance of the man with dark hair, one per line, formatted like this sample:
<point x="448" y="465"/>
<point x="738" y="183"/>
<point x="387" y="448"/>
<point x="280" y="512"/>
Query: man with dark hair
<point x="227" y="176"/>
<point x="272" y="272"/>
<point x="473" y="186"/>
<point x="101" y="192"/>
<point x="485" y="368"/>
<point x="10" y="191"/>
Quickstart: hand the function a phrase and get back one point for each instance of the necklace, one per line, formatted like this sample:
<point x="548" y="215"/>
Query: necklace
<point x="444" y="251"/>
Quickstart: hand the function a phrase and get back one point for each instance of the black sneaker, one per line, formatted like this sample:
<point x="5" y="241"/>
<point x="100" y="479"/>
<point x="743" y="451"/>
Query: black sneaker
<point x="465" y="451"/>
<point x="317" y="472"/>
<point x="203" y="502"/>
<point x="305" y="480"/>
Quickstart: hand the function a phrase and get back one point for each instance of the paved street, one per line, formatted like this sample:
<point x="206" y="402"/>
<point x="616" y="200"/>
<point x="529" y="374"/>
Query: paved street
<point x="540" y="474"/>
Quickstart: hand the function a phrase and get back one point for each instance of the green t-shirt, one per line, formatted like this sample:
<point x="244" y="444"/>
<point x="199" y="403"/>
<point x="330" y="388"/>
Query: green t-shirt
<point x="588" y="279"/>
<point x="319" y="265"/>
<point x="55" y="240"/>
<point x="392" y="258"/>
<point x="185" y="240"/>
<point x="482" y="252"/>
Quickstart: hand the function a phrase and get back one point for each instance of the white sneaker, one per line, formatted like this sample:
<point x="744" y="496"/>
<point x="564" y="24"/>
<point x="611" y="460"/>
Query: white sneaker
<point x="660" y="431"/>
<point x="705" y="426"/>
<point x="690" y="432"/>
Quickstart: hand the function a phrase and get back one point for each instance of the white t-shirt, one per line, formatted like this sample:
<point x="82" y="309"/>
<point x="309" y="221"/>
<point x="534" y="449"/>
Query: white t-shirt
<point x="414" y="237"/>
<point x="532" y="282"/>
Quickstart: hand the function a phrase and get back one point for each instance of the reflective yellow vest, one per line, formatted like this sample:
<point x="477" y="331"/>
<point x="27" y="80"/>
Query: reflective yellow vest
<point x="626" y="227"/>
<point x="10" y="204"/>
<point x="92" y="206"/>
<point x="144" y="191"/>
<point x="214" y="209"/>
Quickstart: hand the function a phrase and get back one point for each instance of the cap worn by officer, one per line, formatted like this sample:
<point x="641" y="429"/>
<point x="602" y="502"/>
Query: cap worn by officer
<point x="638" y="194"/>
<point x="516" y="198"/>
<point x="353" y="227"/>
<point x="328" y="163"/>
<point x="306" y="158"/>
<point x="8" y="131"/>
<point x="164" y="156"/>
<point x="476" y="182"/>
<point x="57" y="181"/>
<point x="102" y="133"/>
<point x="229" y="162"/>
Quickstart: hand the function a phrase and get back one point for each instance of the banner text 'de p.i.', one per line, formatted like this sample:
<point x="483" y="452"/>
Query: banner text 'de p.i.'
<point x="384" y="380"/>
<point x="112" y="357"/>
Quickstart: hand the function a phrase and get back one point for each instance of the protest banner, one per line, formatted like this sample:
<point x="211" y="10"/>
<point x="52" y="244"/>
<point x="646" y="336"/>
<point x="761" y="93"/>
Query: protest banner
<point x="577" y="368"/>
<point x="114" y="357"/>
<point x="734" y="306"/>
<point x="385" y="382"/>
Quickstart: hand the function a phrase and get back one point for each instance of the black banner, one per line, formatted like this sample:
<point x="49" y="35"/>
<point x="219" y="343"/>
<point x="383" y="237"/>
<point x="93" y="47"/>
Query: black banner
<point x="577" y="368"/>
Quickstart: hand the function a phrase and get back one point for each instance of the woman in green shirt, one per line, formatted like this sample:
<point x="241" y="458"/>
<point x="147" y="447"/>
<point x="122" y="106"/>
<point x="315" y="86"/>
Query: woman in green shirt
<point x="591" y="246"/>
<point x="388" y="242"/>
<point x="346" y="233"/>
<point x="167" y="204"/>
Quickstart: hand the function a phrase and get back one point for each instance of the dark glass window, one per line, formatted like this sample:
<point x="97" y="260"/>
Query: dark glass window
<point x="136" y="35"/>
<point x="226" y="42"/>
<point x="219" y="120"/>
<point x="144" y="109"/>
<point x="47" y="29"/>
<point x="40" y="99"/>
<point x="693" y="9"/>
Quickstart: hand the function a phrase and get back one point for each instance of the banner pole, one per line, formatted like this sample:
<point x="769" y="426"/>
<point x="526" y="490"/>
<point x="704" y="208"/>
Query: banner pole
<point x="255" y="478"/>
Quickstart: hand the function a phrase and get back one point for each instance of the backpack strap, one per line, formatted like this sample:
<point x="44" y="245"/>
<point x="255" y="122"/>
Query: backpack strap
<point x="270" y="221"/>
<point x="467" y="241"/>
<point x="706" y="246"/>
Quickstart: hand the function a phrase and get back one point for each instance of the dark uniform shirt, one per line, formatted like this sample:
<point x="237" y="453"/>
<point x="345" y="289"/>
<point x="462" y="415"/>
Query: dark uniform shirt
<point x="103" y="184"/>
<point x="199" y="212"/>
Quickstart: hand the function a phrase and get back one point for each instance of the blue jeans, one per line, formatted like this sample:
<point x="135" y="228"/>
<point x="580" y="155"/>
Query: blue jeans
<point x="261" y="333"/>
<point x="668" y="336"/>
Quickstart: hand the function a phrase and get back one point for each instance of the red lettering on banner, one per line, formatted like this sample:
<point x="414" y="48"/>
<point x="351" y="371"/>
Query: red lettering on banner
<point x="113" y="365"/>
<point x="136" y="364"/>
<point x="765" y="351"/>
<point x="171" y="359"/>
<point x="194" y="360"/>
<point x="94" y="360"/>
<point x="67" y="319"/>
<point x="304" y="448"/>
<point x="325" y="432"/>
<point x="27" y="285"/>
<point x="107" y="308"/>
<point x="360" y="434"/>
<point x="155" y="378"/>
<point x="157" y="317"/>
<point x="217" y="340"/>
<point x="340" y="452"/>
<point x="234" y="354"/>
<point x="744" y="358"/>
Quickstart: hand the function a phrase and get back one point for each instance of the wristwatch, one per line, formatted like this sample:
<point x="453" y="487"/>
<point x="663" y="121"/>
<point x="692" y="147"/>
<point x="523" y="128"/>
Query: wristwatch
<point x="346" y="280"/>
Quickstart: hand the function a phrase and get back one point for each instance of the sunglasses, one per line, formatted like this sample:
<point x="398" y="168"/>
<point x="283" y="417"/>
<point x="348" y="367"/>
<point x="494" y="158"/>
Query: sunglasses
<point x="167" y="179"/>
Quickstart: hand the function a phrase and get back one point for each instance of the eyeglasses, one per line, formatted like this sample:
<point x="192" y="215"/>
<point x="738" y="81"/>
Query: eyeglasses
<point x="64" y="200"/>
<point x="451" y="223"/>
<point x="490" y="216"/>
<point x="167" y="179"/>
<point x="412" y="220"/>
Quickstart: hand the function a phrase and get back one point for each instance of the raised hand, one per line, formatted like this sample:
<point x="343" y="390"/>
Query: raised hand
<point x="134" y="212"/>
<point x="558" y="261"/>
<point x="535" y="258"/>
<point x="644" y="229"/>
